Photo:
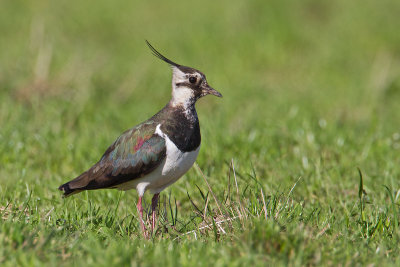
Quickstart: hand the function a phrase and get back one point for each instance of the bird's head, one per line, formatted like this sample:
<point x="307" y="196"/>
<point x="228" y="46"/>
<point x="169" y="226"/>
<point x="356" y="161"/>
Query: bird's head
<point x="188" y="84"/>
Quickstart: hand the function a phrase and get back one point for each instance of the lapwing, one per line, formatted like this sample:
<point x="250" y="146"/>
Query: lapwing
<point x="156" y="153"/>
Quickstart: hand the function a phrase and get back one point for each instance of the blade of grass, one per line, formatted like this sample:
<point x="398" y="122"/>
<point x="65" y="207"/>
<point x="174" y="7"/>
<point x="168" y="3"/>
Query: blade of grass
<point x="360" y="195"/>
<point x="209" y="187"/>
<point x="394" y="209"/>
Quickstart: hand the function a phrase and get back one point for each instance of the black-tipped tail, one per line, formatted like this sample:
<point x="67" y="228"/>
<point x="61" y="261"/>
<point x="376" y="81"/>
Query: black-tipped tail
<point x="67" y="190"/>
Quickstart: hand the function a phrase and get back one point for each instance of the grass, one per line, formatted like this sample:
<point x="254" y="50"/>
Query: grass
<point x="299" y="162"/>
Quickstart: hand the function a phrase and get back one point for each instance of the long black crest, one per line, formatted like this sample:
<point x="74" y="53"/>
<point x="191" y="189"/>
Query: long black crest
<point x="160" y="56"/>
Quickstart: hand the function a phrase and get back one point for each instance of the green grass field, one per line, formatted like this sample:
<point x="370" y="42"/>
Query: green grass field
<point x="311" y="104"/>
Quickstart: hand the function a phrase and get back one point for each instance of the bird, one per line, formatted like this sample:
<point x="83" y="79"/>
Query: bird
<point x="157" y="152"/>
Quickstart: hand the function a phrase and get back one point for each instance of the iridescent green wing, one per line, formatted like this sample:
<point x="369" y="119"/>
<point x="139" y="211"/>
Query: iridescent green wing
<point x="134" y="154"/>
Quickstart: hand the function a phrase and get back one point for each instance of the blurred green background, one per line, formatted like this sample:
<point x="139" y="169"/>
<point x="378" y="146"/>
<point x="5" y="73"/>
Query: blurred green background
<point x="311" y="89"/>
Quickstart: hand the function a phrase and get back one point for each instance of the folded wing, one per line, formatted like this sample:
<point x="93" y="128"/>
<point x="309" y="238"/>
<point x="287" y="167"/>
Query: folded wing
<point x="134" y="154"/>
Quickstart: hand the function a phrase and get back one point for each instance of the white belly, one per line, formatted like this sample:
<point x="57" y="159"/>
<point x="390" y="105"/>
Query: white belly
<point x="175" y="164"/>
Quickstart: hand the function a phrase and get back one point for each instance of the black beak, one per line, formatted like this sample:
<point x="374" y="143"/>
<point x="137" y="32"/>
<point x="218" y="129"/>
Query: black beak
<point x="208" y="90"/>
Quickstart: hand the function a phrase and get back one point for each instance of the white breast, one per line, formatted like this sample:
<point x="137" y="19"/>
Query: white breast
<point x="175" y="164"/>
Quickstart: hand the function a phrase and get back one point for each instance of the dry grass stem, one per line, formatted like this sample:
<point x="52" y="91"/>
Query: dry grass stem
<point x="209" y="187"/>
<point x="264" y="206"/>
<point x="209" y="226"/>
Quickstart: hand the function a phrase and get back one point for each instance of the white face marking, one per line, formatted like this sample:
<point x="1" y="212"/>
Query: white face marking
<point x="178" y="76"/>
<point x="181" y="95"/>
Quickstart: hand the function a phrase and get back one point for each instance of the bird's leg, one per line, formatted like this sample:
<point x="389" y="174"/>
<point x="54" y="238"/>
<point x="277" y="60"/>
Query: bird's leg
<point x="154" y="202"/>
<point x="140" y="210"/>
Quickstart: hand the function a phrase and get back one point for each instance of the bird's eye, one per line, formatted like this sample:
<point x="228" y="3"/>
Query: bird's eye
<point x="192" y="79"/>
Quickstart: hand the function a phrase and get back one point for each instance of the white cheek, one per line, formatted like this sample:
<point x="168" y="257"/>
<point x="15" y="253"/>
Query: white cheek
<point x="181" y="95"/>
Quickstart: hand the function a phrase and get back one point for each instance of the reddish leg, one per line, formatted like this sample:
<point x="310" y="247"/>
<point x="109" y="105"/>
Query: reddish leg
<point x="140" y="210"/>
<point x="154" y="202"/>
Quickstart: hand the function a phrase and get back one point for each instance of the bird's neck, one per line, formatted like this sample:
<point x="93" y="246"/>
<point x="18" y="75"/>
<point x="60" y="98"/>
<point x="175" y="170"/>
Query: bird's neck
<point x="183" y="97"/>
<point x="184" y="101"/>
<point x="181" y="125"/>
<point x="187" y="109"/>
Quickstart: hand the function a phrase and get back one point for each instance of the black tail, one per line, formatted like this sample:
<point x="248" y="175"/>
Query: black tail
<point x="67" y="190"/>
<point x="75" y="185"/>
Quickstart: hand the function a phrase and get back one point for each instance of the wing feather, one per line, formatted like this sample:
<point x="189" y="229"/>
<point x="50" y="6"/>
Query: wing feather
<point x="134" y="154"/>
